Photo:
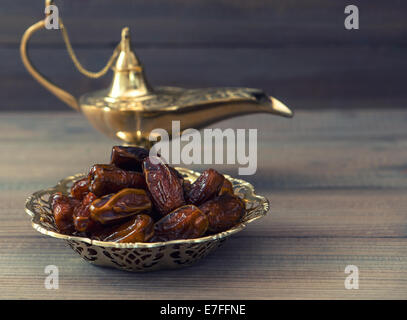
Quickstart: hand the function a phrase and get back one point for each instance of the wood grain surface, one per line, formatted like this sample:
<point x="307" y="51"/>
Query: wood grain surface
<point x="337" y="183"/>
<point x="294" y="49"/>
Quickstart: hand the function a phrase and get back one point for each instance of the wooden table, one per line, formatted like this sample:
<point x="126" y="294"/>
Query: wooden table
<point x="337" y="183"/>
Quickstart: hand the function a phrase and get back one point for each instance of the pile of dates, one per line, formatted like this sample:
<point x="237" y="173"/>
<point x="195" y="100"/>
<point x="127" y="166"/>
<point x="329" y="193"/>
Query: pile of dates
<point x="139" y="198"/>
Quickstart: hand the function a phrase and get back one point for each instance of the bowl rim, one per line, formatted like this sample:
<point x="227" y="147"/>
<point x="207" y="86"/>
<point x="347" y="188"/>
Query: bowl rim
<point x="62" y="184"/>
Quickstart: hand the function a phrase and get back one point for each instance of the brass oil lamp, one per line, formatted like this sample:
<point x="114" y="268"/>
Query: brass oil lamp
<point x="129" y="109"/>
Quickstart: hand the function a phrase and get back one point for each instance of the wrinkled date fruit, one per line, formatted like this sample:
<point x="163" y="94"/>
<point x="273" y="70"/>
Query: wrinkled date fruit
<point x="106" y="178"/>
<point x="205" y="187"/>
<point x="80" y="188"/>
<point x="138" y="229"/>
<point x="227" y="187"/>
<point x="124" y="204"/>
<point x="223" y="212"/>
<point x="164" y="185"/>
<point x="186" y="186"/>
<point x="62" y="208"/>
<point x="128" y="158"/>
<point x="81" y="215"/>
<point x="186" y="222"/>
<point x="176" y="173"/>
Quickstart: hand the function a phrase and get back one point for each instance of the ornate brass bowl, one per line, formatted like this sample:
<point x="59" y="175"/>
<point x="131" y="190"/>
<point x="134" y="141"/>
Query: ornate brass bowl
<point x="142" y="256"/>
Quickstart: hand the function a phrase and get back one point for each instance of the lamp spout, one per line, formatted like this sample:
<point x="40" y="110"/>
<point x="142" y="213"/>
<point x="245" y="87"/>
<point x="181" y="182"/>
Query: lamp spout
<point x="248" y="101"/>
<point x="279" y="108"/>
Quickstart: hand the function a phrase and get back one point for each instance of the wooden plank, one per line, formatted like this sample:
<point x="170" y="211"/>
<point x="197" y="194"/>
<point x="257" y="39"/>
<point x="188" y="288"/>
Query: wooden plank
<point x="313" y="151"/>
<point x="303" y="78"/>
<point x="305" y="214"/>
<point x="299" y="51"/>
<point x="337" y="185"/>
<point x="294" y="50"/>
<point x="243" y="268"/>
<point x="213" y="23"/>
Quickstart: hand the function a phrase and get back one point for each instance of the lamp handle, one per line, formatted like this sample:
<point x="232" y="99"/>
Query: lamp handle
<point x="66" y="97"/>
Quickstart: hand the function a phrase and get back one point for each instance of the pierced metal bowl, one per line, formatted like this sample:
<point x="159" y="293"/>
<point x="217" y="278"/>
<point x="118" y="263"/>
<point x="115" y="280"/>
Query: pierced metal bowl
<point x="142" y="256"/>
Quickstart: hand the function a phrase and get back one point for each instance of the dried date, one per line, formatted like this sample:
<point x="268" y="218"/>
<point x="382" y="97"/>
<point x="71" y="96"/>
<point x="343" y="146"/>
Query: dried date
<point x="106" y="178"/>
<point x="120" y="201"/>
<point x="163" y="184"/>
<point x="205" y="187"/>
<point x="186" y="186"/>
<point x="223" y="212"/>
<point x="138" y="229"/>
<point x="226" y="187"/>
<point x="116" y="207"/>
<point x="62" y="208"/>
<point x="177" y="173"/>
<point x="128" y="158"/>
<point x="186" y="222"/>
<point x="80" y="188"/>
<point x="81" y="215"/>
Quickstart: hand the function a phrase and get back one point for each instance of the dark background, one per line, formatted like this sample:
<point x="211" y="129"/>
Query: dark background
<point x="296" y="50"/>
